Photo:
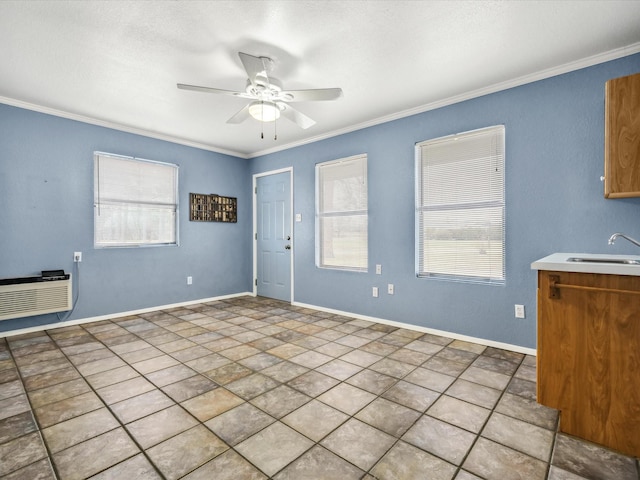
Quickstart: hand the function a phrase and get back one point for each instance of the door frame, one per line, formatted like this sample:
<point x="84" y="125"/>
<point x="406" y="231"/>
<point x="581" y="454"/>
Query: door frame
<point x="255" y="225"/>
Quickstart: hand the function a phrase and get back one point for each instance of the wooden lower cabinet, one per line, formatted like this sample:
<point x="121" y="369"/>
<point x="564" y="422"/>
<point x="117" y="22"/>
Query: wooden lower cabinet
<point x="589" y="355"/>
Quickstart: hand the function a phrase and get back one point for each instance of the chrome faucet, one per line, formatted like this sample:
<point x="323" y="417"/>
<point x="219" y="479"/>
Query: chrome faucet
<point x="613" y="237"/>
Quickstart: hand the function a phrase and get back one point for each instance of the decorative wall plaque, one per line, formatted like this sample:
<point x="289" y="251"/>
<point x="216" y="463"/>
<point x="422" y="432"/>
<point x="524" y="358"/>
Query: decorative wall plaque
<point x="212" y="208"/>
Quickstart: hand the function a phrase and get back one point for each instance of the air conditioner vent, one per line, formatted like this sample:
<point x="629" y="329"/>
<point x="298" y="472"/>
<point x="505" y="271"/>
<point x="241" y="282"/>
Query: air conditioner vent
<point x="36" y="298"/>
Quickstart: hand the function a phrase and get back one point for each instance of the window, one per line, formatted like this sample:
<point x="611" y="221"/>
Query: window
<point x="460" y="206"/>
<point x="135" y="202"/>
<point x="341" y="214"/>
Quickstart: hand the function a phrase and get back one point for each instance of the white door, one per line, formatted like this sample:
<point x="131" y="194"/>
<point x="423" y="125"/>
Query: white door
<point x="273" y="236"/>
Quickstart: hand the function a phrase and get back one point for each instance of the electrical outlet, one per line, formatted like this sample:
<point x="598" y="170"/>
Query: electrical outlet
<point x="390" y="289"/>
<point x="378" y="269"/>
<point x="189" y="280"/>
<point x="77" y="256"/>
<point x="519" y="311"/>
<point x="375" y="292"/>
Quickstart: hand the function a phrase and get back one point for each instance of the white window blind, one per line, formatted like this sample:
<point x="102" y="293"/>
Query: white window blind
<point x="135" y="202"/>
<point x="460" y="207"/>
<point x="341" y="214"/>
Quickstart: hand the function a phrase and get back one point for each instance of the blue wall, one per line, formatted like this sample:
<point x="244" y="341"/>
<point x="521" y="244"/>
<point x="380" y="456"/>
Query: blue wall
<point x="554" y="160"/>
<point x="46" y="213"/>
<point x="554" y="196"/>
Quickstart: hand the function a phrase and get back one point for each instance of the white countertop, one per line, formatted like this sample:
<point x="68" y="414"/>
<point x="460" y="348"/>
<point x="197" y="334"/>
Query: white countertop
<point x="558" y="262"/>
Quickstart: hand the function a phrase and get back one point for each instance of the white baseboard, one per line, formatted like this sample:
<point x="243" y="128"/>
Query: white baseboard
<point x="408" y="326"/>
<point x="78" y="321"/>
<point x="433" y="331"/>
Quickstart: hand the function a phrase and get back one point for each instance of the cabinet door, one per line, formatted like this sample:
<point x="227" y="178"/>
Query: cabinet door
<point x="622" y="137"/>
<point x="589" y="356"/>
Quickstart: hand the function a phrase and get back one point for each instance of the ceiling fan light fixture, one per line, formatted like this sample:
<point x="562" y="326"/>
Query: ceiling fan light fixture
<point x="264" y="111"/>
<point x="268" y="100"/>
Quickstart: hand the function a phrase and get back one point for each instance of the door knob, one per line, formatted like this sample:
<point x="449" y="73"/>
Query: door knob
<point x="287" y="247"/>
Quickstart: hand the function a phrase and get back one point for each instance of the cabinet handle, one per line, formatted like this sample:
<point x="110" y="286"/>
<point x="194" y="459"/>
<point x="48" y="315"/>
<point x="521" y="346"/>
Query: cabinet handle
<point x="554" y="287"/>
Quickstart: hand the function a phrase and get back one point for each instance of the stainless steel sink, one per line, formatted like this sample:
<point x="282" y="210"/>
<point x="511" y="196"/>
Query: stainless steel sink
<point x="623" y="261"/>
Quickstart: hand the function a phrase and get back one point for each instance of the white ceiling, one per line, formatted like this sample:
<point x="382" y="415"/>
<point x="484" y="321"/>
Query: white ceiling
<point x="116" y="63"/>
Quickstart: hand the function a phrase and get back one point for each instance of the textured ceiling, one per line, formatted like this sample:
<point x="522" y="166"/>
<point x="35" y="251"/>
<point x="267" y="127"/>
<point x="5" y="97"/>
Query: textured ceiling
<point x="116" y="63"/>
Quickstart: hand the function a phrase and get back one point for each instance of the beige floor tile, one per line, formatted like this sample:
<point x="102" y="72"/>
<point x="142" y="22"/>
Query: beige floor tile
<point x="40" y="470"/>
<point x="138" y="468"/>
<point x="339" y="369"/>
<point x="17" y="426"/>
<point x="166" y="376"/>
<point x="519" y="435"/>
<point x="305" y="420"/>
<point x="320" y="463"/>
<point x="123" y="390"/>
<point x="239" y="423"/>
<point x="462" y="414"/>
<point x="440" y="438"/>
<point x="251" y="386"/>
<point x="410" y="395"/>
<point x="104" y="379"/>
<point x="141" y="405"/>
<point x="496" y="462"/>
<point x="212" y="403"/>
<point x="94" y="455"/>
<point x="410" y="463"/>
<point x="71" y="432"/>
<point x="49" y="379"/>
<point x="189" y="387"/>
<point x="55" y="393"/>
<point x="185" y="452"/>
<point x="359" y="443"/>
<point x="213" y="390"/>
<point x="20" y="452"/>
<point x="390" y="417"/>
<point x="159" y="426"/>
<point x="274" y="447"/>
<point x="347" y="398"/>
<point x="62" y="410"/>
<point x="227" y="466"/>
<point x="280" y="401"/>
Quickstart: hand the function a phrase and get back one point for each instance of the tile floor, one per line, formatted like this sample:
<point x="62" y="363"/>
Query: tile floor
<point x="253" y="388"/>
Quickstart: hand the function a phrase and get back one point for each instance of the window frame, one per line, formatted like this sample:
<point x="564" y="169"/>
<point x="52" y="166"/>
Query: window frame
<point x="420" y="263"/>
<point x="319" y="257"/>
<point x="98" y="200"/>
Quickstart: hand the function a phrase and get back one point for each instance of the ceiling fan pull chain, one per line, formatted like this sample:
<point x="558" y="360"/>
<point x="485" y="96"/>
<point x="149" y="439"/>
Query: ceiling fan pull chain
<point x="275" y="129"/>
<point x="261" y="122"/>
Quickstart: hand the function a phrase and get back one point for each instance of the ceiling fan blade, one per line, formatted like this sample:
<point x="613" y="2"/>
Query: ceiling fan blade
<point x="297" y="117"/>
<point x="256" y="67"/>
<point x="196" y="88"/>
<point x="313" y="95"/>
<point x="241" y="116"/>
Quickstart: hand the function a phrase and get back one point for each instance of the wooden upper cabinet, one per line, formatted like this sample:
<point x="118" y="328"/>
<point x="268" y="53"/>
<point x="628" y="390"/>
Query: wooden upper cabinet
<point x="622" y="137"/>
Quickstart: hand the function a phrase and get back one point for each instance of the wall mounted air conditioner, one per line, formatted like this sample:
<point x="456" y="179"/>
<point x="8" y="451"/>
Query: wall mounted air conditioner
<point x="34" y="296"/>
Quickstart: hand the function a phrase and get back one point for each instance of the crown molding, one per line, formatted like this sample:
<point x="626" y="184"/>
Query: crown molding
<point x="516" y="82"/>
<point x="116" y="126"/>
<point x="525" y="79"/>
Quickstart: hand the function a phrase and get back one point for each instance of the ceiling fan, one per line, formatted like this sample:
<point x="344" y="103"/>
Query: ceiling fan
<point x="268" y="100"/>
